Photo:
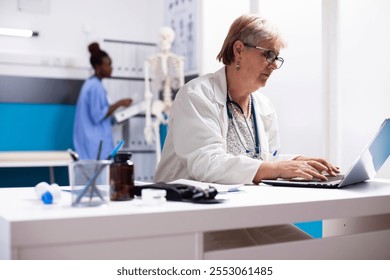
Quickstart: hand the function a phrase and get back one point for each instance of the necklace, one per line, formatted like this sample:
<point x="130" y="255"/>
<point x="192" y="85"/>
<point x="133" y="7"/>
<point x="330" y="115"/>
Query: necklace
<point x="249" y="108"/>
<point x="236" y="127"/>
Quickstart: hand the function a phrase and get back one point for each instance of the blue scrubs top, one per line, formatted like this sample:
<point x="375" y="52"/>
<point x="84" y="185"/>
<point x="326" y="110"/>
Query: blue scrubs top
<point x="91" y="124"/>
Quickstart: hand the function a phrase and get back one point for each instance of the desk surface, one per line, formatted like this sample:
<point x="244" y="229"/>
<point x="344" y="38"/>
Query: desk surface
<point x="34" y="158"/>
<point x="258" y="204"/>
<point x="27" y="218"/>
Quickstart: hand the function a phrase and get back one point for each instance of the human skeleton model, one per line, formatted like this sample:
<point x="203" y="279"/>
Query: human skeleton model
<point x="164" y="72"/>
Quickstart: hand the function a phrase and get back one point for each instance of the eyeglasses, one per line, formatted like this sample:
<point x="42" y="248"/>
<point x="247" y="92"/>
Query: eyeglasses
<point x="270" y="56"/>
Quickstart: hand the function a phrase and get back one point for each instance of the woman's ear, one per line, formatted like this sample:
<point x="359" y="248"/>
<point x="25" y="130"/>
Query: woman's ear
<point x="238" y="47"/>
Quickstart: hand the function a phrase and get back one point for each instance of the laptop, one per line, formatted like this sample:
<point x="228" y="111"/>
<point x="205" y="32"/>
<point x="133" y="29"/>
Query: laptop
<point x="364" y="168"/>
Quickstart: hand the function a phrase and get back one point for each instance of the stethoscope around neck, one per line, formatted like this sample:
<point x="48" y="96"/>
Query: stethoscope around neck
<point x="230" y="116"/>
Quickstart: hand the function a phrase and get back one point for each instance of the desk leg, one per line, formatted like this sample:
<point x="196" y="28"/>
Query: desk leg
<point x="52" y="177"/>
<point x="199" y="247"/>
<point x="5" y="240"/>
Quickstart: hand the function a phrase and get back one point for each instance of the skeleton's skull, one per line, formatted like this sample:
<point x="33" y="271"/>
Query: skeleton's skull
<point x="167" y="35"/>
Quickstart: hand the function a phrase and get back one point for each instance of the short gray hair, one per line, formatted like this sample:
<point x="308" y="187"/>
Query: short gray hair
<point x="251" y="29"/>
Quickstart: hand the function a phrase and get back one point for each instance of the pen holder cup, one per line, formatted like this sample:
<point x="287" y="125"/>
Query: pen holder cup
<point x="90" y="182"/>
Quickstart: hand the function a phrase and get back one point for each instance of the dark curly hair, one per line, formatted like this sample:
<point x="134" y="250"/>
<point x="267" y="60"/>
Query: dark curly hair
<point x="97" y="54"/>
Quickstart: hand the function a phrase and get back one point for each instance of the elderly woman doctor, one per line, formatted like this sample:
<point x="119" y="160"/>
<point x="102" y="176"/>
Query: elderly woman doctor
<point x="222" y="129"/>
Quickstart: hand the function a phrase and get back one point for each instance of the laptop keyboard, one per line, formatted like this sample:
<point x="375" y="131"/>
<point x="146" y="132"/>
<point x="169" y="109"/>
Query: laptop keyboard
<point x="332" y="182"/>
<point x="329" y="177"/>
<point x="334" y="178"/>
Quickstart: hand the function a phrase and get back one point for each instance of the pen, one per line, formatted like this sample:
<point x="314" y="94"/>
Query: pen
<point x="275" y="153"/>
<point x="96" y="174"/>
<point x="75" y="157"/>
<point x="233" y="190"/>
<point x="115" y="151"/>
<point x="73" y="154"/>
<point x="99" y="150"/>
<point x="94" y="188"/>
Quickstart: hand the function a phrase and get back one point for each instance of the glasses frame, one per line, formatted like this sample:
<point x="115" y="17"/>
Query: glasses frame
<point x="267" y="57"/>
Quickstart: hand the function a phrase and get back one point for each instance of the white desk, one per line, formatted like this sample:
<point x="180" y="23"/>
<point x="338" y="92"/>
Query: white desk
<point x="127" y="230"/>
<point x="35" y="159"/>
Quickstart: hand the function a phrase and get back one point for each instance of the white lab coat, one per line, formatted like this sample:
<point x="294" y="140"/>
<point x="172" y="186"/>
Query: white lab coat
<point x="196" y="147"/>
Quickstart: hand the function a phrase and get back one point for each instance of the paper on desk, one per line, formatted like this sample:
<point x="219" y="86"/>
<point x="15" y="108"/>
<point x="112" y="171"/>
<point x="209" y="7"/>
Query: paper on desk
<point x="142" y="183"/>
<point x="221" y="188"/>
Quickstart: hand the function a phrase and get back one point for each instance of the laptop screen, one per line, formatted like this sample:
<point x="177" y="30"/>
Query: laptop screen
<point x="380" y="147"/>
<point x="373" y="157"/>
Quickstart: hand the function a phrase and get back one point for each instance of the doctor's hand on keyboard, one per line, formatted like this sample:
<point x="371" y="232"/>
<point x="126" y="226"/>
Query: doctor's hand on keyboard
<point x="302" y="167"/>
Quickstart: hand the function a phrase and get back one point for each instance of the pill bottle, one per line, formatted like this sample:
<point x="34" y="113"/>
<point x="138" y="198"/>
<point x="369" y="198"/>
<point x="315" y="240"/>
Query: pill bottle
<point x="122" y="177"/>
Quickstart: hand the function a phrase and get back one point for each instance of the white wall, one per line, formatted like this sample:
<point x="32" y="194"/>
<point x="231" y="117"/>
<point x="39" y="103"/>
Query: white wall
<point x="364" y="74"/>
<point x="217" y="16"/>
<point x="296" y="88"/>
<point x="66" y="30"/>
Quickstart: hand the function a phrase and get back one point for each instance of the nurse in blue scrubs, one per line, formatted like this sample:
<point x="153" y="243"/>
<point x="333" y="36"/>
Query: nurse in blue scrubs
<point x="93" y="120"/>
